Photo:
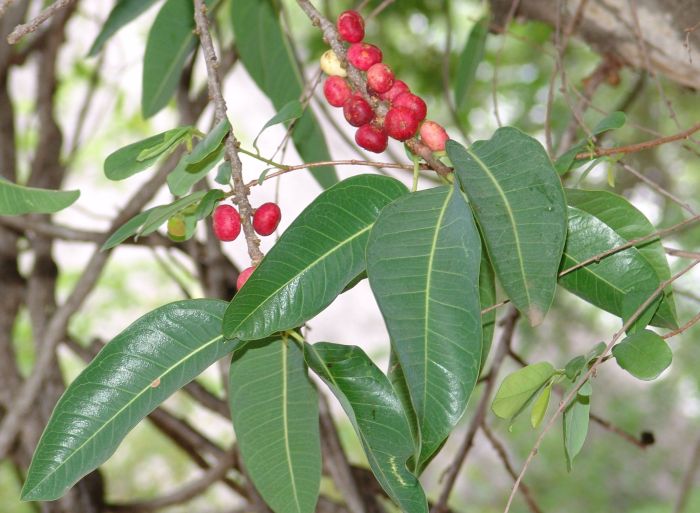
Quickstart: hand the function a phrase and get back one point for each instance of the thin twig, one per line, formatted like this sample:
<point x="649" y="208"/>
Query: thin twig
<point x="693" y="255"/>
<point x="694" y="320"/>
<point x="634" y="148"/>
<point x="377" y="10"/>
<point x="609" y="426"/>
<point x="655" y="186"/>
<point x="22" y="30"/>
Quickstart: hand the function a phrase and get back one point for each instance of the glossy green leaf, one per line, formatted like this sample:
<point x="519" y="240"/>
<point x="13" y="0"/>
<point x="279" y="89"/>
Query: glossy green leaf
<point x="274" y="407"/>
<point x="539" y="409"/>
<point x="575" y="422"/>
<point x="289" y="112"/>
<point x="195" y="166"/>
<point x="129" y="160"/>
<point x="17" y="200"/>
<point x="605" y="283"/>
<point x="644" y="354"/>
<point x="124" y="12"/>
<point x="519" y="388"/>
<point x="629" y="223"/>
<point x="519" y="203"/>
<point x="134" y="373"/>
<point x="315" y="258"/>
<point x="377" y="415"/>
<point x="469" y="60"/>
<point x="423" y="260"/>
<point x="265" y="53"/>
<point x="487" y="297"/>
<point x="398" y="381"/>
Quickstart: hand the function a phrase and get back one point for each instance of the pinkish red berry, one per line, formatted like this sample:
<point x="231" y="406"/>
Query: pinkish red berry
<point x="364" y="55"/>
<point x="413" y="103"/>
<point x="357" y="111"/>
<point x="380" y="77"/>
<point x="227" y="223"/>
<point x="337" y="91"/>
<point x="243" y="277"/>
<point x="433" y="135"/>
<point x="351" y="26"/>
<point x="397" y="88"/>
<point x="400" y="123"/>
<point x="266" y="218"/>
<point x="371" y="138"/>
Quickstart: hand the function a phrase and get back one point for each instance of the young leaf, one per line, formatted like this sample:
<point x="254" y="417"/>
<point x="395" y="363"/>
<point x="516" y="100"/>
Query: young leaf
<point x="539" y="409"/>
<point x="423" y="259"/>
<point x="265" y="53"/>
<point x="519" y="203"/>
<point x="575" y="422"/>
<point x="319" y="254"/>
<point x="644" y="354"/>
<point x="612" y="121"/>
<point x="131" y="159"/>
<point x="121" y="14"/>
<point x="211" y="142"/>
<point x="186" y="174"/>
<point x="377" y="415"/>
<point x="274" y="407"/>
<point x="161" y="214"/>
<point x="140" y="368"/>
<point x="289" y="112"/>
<point x="519" y="388"/>
<point x="209" y="201"/>
<point x="17" y="200"/>
<point x="469" y="60"/>
<point x="223" y="174"/>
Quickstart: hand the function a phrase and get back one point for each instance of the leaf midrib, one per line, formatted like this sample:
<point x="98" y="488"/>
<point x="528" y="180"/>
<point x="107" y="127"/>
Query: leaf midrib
<point x="285" y="421"/>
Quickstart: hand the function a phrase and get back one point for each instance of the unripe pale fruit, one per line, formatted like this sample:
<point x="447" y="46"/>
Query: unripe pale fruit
<point x="364" y="55"/>
<point x="243" y="277"/>
<point x="380" y="77"/>
<point x="398" y="87"/>
<point x="433" y="135"/>
<point x="400" y="123"/>
<point x="331" y="65"/>
<point x="227" y="223"/>
<point x="413" y="103"/>
<point x="176" y="228"/>
<point x="371" y="138"/>
<point x="266" y="218"/>
<point x="351" y="26"/>
<point x="357" y="111"/>
<point x="337" y="91"/>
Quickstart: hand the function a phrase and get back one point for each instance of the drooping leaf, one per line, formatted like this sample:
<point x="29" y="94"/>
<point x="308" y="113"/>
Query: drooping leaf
<point x="129" y="160"/>
<point x="605" y="283"/>
<point x="487" y="297"/>
<point x="124" y="12"/>
<point x="629" y="223"/>
<point x="539" y="409"/>
<point x="423" y="260"/>
<point x="315" y="258"/>
<point x="469" y="60"/>
<point x="289" y="112"/>
<point x="274" y="407"/>
<point x="644" y="354"/>
<point x="377" y="415"/>
<point x="134" y="373"/>
<point x="575" y="422"/>
<point x="265" y="53"/>
<point x="519" y="388"/>
<point x="519" y="203"/>
<point x="17" y="200"/>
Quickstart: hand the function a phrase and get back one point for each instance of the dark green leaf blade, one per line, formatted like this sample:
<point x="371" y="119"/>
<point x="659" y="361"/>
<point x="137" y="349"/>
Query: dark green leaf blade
<point x="469" y="60"/>
<point x="121" y="14"/>
<point x="376" y="414"/>
<point x="17" y="200"/>
<point x="423" y="260"/>
<point x="134" y="373"/>
<point x="644" y="354"/>
<point x="519" y="203"/>
<point x="319" y="254"/>
<point x="487" y="298"/>
<point x="266" y="55"/>
<point x="274" y="407"/>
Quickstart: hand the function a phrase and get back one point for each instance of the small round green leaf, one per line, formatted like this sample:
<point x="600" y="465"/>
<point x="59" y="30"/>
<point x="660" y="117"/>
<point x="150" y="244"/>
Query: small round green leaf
<point x="644" y="354"/>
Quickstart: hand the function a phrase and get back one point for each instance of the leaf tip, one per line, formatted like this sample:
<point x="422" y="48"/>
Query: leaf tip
<point x="535" y="315"/>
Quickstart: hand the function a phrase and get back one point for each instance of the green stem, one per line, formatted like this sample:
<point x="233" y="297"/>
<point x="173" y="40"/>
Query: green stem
<point x="259" y="157"/>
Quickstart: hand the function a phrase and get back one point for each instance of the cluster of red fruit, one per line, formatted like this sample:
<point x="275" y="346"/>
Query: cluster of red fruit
<point x="406" y="114"/>
<point x="227" y="227"/>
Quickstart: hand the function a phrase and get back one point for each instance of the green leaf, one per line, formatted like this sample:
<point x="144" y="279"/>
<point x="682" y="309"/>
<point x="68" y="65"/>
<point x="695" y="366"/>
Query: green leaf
<point x="17" y="200"/>
<point x="377" y="415"/>
<point x="612" y="121"/>
<point x="629" y="223"/>
<point x="519" y="388"/>
<point x="127" y="229"/>
<point x="209" y="201"/>
<point x="574" y="367"/>
<point x="575" y="422"/>
<point x="265" y="53"/>
<point x="134" y="373"/>
<point x="194" y="167"/>
<point x="129" y="160"/>
<point x="644" y="354"/>
<point x="124" y="12"/>
<point x="289" y="112"/>
<point x="223" y="174"/>
<point x="539" y="409"/>
<point x="607" y="283"/>
<point x="211" y="142"/>
<point x="423" y="259"/>
<point x="315" y="258"/>
<point x="487" y="297"/>
<point x="519" y="203"/>
<point x="274" y="407"/>
<point x="159" y="215"/>
<point x="469" y="60"/>
<point x="170" y="42"/>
